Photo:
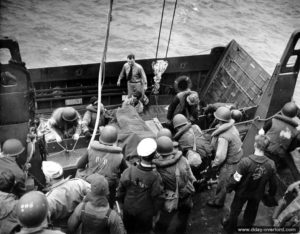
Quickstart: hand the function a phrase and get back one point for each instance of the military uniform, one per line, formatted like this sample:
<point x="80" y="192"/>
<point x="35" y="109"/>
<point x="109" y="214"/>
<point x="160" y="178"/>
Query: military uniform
<point x="234" y="153"/>
<point x="256" y="172"/>
<point x="282" y="133"/>
<point x="139" y="191"/>
<point x="106" y="160"/>
<point x="9" y="162"/>
<point x="8" y="216"/>
<point x="90" y="117"/>
<point x="63" y="198"/>
<point x="180" y="105"/>
<point x="176" y="221"/>
<point x="62" y="127"/>
<point x="136" y="79"/>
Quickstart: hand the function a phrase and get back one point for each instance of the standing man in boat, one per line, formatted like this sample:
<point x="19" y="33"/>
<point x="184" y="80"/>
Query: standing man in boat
<point x="135" y="75"/>
<point x="283" y="133"/>
<point x="228" y="147"/>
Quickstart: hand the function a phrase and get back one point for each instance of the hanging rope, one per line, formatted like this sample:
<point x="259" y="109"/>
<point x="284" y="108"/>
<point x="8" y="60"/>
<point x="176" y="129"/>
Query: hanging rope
<point x="101" y="72"/>
<point x="174" y="11"/>
<point x="161" y="20"/>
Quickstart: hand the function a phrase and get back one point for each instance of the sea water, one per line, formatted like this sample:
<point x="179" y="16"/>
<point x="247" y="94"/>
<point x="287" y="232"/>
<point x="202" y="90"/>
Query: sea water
<point x="67" y="32"/>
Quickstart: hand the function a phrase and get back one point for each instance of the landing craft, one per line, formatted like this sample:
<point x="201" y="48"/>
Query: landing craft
<point x="227" y="74"/>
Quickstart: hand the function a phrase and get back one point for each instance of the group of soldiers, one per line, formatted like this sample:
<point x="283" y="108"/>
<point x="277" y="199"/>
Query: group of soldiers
<point x="155" y="194"/>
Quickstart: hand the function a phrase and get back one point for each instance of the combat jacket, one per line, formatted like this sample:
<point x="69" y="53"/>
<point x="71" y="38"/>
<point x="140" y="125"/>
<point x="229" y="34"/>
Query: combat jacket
<point x="64" y="196"/>
<point x="179" y="105"/>
<point x="140" y="190"/>
<point x="185" y="139"/>
<point x="8" y="215"/>
<point x="105" y="160"/>
<point x="95" y="220"/>
<point x="281" y="134"/>
<point x="11" y="164"/>
<point x="90" y="117"/>
<point x="186" y="177"/>
<point x="230" y="133"/>
<point x="257" y="172"/>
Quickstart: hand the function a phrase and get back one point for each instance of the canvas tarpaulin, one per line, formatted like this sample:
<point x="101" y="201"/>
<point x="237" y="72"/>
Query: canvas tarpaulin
<point x="132" y="129"/>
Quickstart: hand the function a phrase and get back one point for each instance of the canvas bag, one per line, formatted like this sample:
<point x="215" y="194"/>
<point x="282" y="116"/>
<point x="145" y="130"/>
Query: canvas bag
<point x="171" y="197"/>
<point x="193" y="157"/>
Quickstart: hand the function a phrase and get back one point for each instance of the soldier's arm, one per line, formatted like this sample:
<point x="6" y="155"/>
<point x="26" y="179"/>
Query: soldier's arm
<point x="122" y="74"/>
<point x="144" y="78"/>
<point x="172" y="108"/>
<point x="74" y="220"/>
<point x="83" y="161"/>
<point x="221" y="152"/>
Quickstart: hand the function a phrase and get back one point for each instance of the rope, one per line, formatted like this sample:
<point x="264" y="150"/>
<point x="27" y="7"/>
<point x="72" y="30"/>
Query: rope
<point x="161" y="20"/>
<point x="101" y="72"/>
<point x="171" y="28"/>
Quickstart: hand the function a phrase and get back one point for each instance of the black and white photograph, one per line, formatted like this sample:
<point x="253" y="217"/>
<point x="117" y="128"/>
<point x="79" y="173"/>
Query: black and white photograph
<point x="149" y="116"/>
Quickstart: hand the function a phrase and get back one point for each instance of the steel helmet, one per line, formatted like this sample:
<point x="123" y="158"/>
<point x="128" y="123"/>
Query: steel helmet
<point x="12" y="147"/>
<point x="164" y="132"/>
<point x="164" y="146"/>
<point x="193" y="99"/>
<point x="290" y="109"/>
<point x="109" y="135"/>
<point x="223" y="113"/>
<point x="179" y="120"/>
<point x="146" y="147"/>
<point x="69" y="114"/>
<point x="32" y="209"/>
<point x="236" y="115"/>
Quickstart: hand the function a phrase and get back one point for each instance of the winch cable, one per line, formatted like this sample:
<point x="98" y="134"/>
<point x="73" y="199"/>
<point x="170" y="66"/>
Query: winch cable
<point x="161" y="20"/>
<point x="171" y="29"/>
<point x="161" y="65"/>
<point x="101" y="72"/>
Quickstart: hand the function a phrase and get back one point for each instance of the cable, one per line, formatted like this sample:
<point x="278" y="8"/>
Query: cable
<point x="161" y="20"/>
<point x="171" y="28"/>
<point x="101" y="72"/>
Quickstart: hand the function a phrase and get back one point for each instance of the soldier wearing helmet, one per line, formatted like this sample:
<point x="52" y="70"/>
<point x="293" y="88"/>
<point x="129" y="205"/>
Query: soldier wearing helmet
<point x="282" y="131"/>
<point x="65" y="122"/>
<point x="177" y="172"/>
<point x="90" y="116"/>
<point x="63" y="195"/>
<point x="11" y="150"/>
<point x="228" y="147"/>
<point x="8" y="203"/>
<point x="186" y="103"/>
<point x="190" y="137"/>
<point x="105" y="158"/>
<point x="32" y="210"/>
<point x="140" y="189"/>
